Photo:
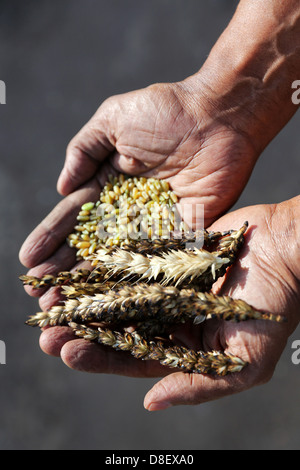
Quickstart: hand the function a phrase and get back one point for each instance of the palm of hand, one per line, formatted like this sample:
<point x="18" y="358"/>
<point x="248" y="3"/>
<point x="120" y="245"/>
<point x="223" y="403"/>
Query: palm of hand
<point x="160" y="131"/>
<point x="262" y="277"/>
<point x="155" y="132"/>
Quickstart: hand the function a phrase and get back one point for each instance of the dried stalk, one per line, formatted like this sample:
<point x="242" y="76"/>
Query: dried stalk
<point x="142" y="302"/>
<point x="145" y="247"/>
<point x="77" y="290"/>
<point x="174" y="242"/>
<point x="230" y="245"/>
<point x="97" y="275"/>
<point x="175" y="357"/>
<point x="174" y="266"/>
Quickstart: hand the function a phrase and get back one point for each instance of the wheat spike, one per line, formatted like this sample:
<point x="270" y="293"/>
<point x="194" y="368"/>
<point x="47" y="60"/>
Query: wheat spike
<point x="65" y="278"/>
<point x="143" y="302"/>
<point x="175" y="357"/>
<point x="230" y="245"/>
<point x="79" y="289"/>
<point x="173" y="242"/>
<point x="170" y="278"/>
<point x="174" y="266"/>
<point x="56" y="316"/>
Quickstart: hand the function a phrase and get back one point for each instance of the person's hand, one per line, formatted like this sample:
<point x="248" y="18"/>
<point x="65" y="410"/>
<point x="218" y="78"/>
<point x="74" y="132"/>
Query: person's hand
<point x="153" y="132"/>
<point x="203" y="134"/>
<point x="266" y="275"/>
<point x="162" y="131"/>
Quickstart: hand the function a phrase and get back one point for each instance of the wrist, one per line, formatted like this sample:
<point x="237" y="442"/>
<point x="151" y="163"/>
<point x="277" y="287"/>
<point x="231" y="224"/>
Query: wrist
<point x="247" y="79"/>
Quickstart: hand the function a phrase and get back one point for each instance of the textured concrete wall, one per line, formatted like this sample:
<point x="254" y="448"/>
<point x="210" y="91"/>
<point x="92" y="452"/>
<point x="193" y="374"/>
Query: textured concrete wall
<point x="60" y="60"/>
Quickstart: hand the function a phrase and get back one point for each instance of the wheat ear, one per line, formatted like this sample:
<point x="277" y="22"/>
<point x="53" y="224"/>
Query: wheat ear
<point x="230" y="245"/>
<point x="175" y="357"/>
<point x="230" y="242"/>
<point x="79" y="289"/>
<point x="174" y="266"/>
<point x="174" y="242"/>
<point x="65" y="277"/>
<point x="96" y="275"/>
<point x="144" y="302"/>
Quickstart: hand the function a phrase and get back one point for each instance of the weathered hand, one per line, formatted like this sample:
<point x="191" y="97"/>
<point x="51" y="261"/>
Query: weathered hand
<point x="203" y="134"/>
<point x="266" y="275"/>
<point x="164" y="131"/>
<point x="160" y="131"/>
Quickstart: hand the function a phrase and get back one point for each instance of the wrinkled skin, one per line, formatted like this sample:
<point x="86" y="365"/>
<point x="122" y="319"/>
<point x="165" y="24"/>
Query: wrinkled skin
<point x="161" y="131"/>
<point x="266" y="275"/>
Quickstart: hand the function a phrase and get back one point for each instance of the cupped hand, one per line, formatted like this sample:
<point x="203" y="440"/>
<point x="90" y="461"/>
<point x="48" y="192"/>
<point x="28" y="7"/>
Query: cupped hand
<point x="162" y="131"/>
<point x="266" y="275"/>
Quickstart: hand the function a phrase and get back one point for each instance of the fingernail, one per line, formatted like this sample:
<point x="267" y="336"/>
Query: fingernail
<point x="159" y="405"/>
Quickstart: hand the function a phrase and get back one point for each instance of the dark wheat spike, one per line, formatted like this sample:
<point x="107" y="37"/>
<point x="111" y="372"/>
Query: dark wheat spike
<point x="230" y="245"/>
<point x="66" y="278"/>
<point x="174" y="242"/>
<point x="79" y="289"/>
<point x="175" y="357"/>
<point x="143" y="302"/>
<point x="62" y="278"/>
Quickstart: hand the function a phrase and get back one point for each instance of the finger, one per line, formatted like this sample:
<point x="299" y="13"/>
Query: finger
<point x="52" y="339"/>
<point x="89" y="357"/>
<point x="84" y="154"/>
<point x="106" y="170"/>
<point x="51" y="298"/>
<point x="63" y="260"/>
<point x="253" y="343"/>
<point x="192" y="389"/>
<point x="129" y="165"/>
<point x="54" y="229"/>
<point x="54" y="295"/>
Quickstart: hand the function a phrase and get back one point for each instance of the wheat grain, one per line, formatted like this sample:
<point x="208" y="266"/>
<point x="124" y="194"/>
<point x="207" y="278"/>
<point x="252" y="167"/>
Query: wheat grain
<point x="145" y="205"/>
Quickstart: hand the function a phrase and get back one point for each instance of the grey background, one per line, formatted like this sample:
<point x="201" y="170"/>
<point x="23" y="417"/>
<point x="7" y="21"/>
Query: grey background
<point x="60" y="60"/>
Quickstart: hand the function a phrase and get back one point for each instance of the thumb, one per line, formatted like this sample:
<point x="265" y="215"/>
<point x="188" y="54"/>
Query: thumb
<point x="191" y="389"/>
<point x="86" y="151"/>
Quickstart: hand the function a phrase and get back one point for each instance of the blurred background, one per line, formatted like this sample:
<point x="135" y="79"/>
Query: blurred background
<point x="59" y="61"/>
